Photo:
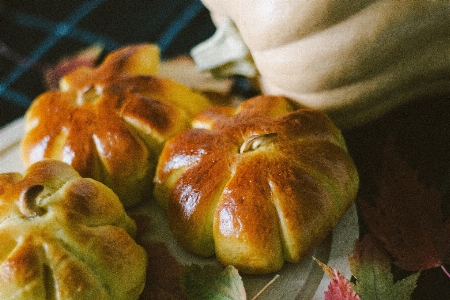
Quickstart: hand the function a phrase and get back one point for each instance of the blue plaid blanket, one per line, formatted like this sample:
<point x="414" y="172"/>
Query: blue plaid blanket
<point x="35" y="34"/>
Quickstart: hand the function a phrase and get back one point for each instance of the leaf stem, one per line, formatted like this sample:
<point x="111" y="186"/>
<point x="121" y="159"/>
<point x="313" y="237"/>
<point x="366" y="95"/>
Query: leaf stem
<point x="445" y="271"/>
<point x="265" y="287"/>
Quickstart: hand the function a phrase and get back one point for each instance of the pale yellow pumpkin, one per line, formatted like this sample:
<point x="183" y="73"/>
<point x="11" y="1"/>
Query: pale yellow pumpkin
<point x="356" y="60"/>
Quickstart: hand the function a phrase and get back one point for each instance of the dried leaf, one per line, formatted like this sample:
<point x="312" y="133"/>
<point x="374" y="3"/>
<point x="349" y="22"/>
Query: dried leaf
<point x="163" y="274"/>
<point x="371" y="266"/>
<point x="85" y="58"/>
<point x="213" y="282"/>
<point x="407" y="217"/>
<point x="163" y="270"/>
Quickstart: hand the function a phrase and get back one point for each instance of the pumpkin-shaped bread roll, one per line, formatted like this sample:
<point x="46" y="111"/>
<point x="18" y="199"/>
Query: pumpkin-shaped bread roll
<point x="66" y="237"/>
<point x="110" y="122"/>
<point x="258" y="185"/>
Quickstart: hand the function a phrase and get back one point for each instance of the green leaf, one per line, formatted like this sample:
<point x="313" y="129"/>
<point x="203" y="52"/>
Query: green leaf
<point x="371" y="266"/>
<point x="212" y="282"/>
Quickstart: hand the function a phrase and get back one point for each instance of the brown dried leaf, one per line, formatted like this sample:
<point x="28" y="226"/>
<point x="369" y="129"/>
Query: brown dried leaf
<point x="407" y="217"/>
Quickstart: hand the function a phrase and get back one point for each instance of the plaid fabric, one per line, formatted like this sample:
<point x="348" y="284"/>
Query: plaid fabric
<point x="36" y="33"/>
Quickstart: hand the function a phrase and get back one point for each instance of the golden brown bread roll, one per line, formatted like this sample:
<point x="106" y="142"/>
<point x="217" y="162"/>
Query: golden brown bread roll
<point x="66" y="237"/>
<point x="110" y="122"/>
<point x="257" y="185"/>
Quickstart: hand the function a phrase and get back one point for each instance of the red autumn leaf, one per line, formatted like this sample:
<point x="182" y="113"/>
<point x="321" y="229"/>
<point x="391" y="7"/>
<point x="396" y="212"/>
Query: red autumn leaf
<point x="163" y="270"/>
<point x="407" y="217"/>
<point x="339" y="287"/>
<point x="85" y="58"/>
<point x="163" y="274"/>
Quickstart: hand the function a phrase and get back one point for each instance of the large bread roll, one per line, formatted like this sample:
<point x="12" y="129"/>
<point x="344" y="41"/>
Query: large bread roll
<point x="258" y="185"/>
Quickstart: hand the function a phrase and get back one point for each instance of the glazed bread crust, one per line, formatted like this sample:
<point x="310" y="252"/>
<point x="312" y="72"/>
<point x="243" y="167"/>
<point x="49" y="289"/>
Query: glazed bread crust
<point x="258" y="185"/>
<point x="110" y="122"/>
<point x="66" y="237"/>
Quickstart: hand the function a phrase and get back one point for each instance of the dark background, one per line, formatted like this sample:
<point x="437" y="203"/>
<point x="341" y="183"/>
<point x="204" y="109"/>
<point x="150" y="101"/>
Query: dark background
<point x="38" y="33"/>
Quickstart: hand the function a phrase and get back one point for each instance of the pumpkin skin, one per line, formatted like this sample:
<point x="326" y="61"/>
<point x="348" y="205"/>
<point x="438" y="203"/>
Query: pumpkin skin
<point x="257" y="185"/>
<point x="65" y="237"/>
<point x="356" y="60"/>
<point x="110" y="122"/>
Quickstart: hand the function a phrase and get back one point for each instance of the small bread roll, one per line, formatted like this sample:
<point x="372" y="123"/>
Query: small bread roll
<point x="66" y="237"/>
<point x="111" y="122"/>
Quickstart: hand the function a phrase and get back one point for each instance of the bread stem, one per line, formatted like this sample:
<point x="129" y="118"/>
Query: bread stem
<point x="88" y="94"/>
<point x="257" y="140"/>
<point x="27" y="203"/>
